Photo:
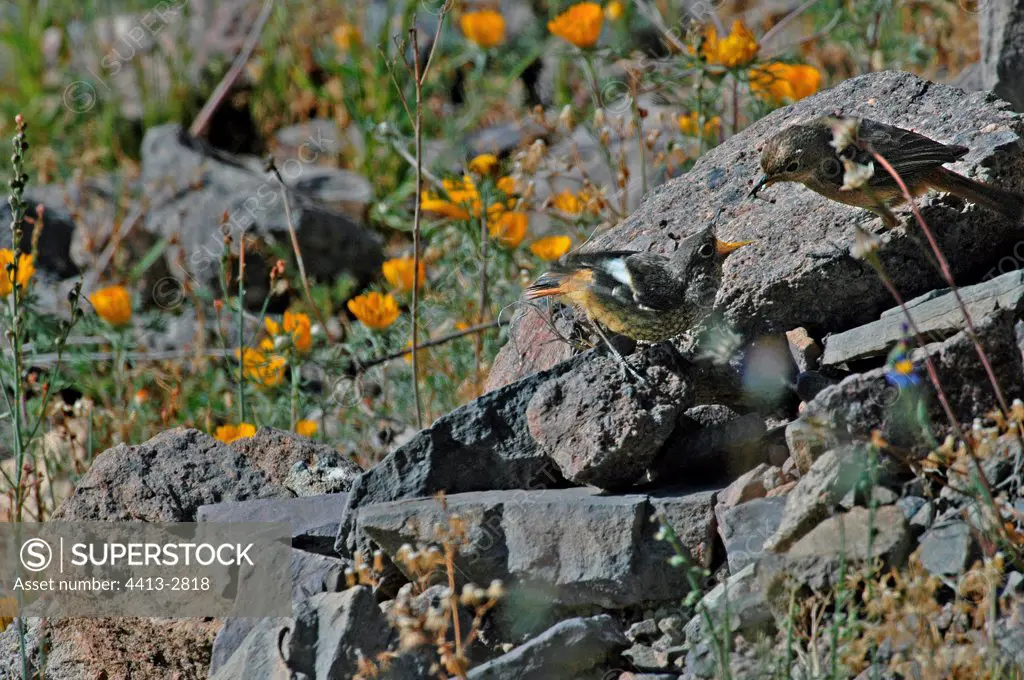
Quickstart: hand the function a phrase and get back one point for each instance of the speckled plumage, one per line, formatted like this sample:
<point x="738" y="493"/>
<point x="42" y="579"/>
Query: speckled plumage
<point x="804" y="153"/>
<point x="644" y="296"/>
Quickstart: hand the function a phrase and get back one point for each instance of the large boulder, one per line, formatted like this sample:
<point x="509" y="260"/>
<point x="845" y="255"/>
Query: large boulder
<point x="193" y="188"/>
<point x="1001" y="29"/>
<point x="165" y="479"/>
<point x="802" y="240"/>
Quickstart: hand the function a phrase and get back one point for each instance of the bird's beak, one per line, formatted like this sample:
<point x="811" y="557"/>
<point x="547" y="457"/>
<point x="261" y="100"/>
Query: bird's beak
<point x="765" y="181"/>
<point x="726" y="247"/>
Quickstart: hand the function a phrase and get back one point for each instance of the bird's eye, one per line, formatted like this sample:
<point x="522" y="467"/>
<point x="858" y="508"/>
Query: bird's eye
<point x="705" y="250"/>
<point x="793" y="167"/>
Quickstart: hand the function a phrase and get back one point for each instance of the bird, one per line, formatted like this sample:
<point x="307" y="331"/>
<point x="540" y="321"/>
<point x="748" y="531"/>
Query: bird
<point x="809" y="153"/>
<point x="644" y="296"/>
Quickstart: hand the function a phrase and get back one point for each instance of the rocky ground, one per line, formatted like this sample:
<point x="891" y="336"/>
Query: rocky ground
<point x="780" y="470"/>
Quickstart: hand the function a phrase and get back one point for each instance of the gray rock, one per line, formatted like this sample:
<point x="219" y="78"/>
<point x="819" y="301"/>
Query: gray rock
<point x="311" y="575"/>
<point x="565" y="650"/>
<point x="300" y="464"/>
<point x="776" y="284"/>
<point x="910" y="505"/>
<point x="314" y="519"/>
<point x="924" y="517"/>
<point x="817" y="492"/>
<point x="646" y="658"/>
<point x="598" y="431"/>
<point x="54" y="258"/>
<point x="936" y="314"/>
<point x="255" y="655"/>
<point x="805" y="351"/>
<point x="480" y="446"/>
<point x="711" y="443"/>
<point x="745" y="528"/>
<point x="879" y="495"/>
<point x="341" y="190"/>
<point x="325" y="639"/>
<point x="1014" y="584"/>
<point x="948" y="549"/>
<point x="573" y="547"/>
<point x="165" y="479"/>
<point x="504" y="137"/>
<point x="642" y="630"/>
<point x="331" y="243"/>
<point x="741" y="597"/>
<point x="1001" y="29"/>
<point x="816" y="560"/>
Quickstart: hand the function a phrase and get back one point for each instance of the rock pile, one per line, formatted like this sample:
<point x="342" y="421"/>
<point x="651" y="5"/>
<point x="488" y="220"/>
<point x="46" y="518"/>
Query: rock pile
<point x="599" y="503"/>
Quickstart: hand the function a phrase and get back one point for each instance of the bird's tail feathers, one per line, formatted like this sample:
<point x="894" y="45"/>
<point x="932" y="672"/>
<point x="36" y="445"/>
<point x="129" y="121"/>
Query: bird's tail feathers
<point x="1003" y="201"/>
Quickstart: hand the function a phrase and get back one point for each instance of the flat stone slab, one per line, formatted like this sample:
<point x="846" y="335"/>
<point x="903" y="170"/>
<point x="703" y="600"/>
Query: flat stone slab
<point x="314" y="519"/>
<point x="574" y="547"/>
<point x="937" y="314"/>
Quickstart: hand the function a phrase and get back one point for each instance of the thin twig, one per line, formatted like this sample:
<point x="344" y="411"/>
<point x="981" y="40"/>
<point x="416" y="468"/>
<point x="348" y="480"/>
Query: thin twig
<point x="482" y="311"/>
<point x="947" y="274"/>
<point x="420" y="75"/>
<point x="784" y="21"/>
<point x="295" y="243"/>
<point x="654" y="16"/>
<point x="363" y="366"/>
<point x="108" y="253"/>
<point x="202" y="121"/>
<point x="411" y="160"/>
<point x="241" y="328"/>
<point x="416" y="218"/>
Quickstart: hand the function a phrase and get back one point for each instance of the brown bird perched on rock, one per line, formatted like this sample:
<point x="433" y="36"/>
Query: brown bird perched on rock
<point x="811" y="154"/>
<point x="644" y="296"/>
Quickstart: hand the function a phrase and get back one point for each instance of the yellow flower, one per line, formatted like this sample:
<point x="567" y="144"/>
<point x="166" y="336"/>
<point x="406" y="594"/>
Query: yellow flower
<point x="374" y="310"/>
<point x="551" y="247"/>
<point x="306" y="428"/>
<point x="297" y="326"/>
<point x="346" y="36"/>
<point x="113" y="304"/>
<point x="26" y="268"/>
<point x="736" y="49"/>
<point x="568" y="203"/>
<point x="780" y="82"/>
<point x="486" y="28"/>
<point x="688" y="124"/>
<point x="484" y="163"/>
<point x="507" y="184"/>
<point x="398" y="272"/>
<point x="266" y="369"/>
<point x="439" y="206"/>
<point x="462" y="197"/>
<point x="579" y="25"/>
<point x="613" y="10"/>
<point x="509" y="228"/>
<point x="230" y="433"/>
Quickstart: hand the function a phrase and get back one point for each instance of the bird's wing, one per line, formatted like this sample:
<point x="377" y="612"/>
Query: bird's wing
<point x="908" y="152"/>
<point x="616" y="275"/>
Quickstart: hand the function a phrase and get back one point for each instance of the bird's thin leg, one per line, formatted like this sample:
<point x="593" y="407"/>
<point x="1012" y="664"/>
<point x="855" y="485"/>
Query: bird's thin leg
<point x="627" y="369"/>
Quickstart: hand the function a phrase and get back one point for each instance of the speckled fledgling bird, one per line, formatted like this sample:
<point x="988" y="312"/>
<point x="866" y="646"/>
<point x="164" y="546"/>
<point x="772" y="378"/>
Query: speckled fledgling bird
<point x="644" y="296"/>
<point x="806" y="153"/>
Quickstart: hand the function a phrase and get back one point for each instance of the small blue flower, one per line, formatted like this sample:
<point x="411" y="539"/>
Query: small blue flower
<point x="899" y="369"/>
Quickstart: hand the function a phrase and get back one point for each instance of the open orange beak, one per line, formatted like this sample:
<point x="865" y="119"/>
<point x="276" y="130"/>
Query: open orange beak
<point x="726" y="247"/>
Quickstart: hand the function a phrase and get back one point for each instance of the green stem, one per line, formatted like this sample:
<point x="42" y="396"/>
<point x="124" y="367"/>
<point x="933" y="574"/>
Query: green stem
<point x="240" y="320"/>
